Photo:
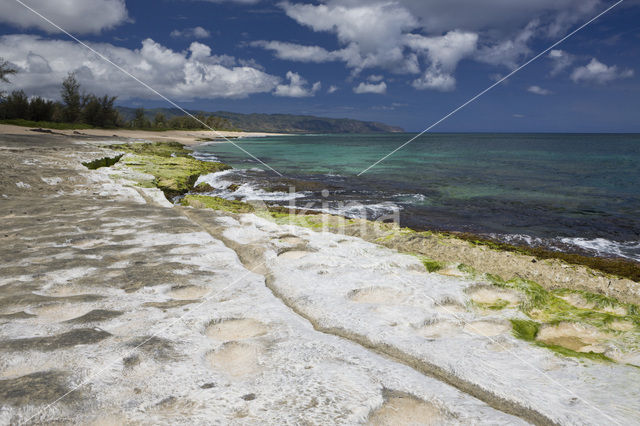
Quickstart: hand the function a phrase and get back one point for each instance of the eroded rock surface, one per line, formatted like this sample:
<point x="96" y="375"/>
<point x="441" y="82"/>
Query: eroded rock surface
<point x="116" y="307"/>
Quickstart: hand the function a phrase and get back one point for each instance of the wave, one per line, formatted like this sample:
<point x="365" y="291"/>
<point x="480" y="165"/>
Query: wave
<point x="595" y="246"/>
<point x="205" y="156"/>
<point x="224" y="186"/>
<point x="603" y="246"/>
<point x="355" y="210"/>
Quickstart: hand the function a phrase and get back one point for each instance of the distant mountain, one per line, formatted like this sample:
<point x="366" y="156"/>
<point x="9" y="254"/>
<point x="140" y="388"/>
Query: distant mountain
<point x="277" y="123"/>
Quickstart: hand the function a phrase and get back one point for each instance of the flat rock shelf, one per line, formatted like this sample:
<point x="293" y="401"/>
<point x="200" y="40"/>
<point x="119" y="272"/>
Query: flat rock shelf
<point x="117" y="306"/>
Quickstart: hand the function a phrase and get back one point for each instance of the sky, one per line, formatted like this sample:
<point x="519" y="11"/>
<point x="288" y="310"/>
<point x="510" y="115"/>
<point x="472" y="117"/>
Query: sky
<point x="402" y="62"/>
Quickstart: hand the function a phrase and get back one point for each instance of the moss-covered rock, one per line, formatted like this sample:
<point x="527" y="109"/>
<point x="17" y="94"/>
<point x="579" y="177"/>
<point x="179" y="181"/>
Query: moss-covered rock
<point x="216" y="203"/>
<point x="160" y="149"/>
<point x="102" y="162"/>
<point x="174" y="170"/>
<point x="202" y="187"/>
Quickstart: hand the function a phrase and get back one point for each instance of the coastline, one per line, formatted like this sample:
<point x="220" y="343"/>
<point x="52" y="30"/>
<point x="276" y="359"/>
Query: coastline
<point x="279" y="315"/>
<point x="186" y="137"/>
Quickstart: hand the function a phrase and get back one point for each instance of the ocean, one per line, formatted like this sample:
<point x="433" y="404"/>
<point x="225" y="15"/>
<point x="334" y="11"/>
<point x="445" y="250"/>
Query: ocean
<point x="570" y="192"/>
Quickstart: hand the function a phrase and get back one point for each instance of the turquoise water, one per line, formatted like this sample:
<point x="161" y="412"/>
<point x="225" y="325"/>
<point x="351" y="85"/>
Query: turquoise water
<point x="552" y="189"/>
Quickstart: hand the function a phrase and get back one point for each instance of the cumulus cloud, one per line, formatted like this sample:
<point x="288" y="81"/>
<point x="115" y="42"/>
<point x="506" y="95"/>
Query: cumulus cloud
<point x="510" y="52"/>
<point x="353" y="23"/>
<point x="597" y="72"/>
<point x="428" y="37"/>
<point x="297" y="87"/>
<point x="537" y="90"/>
<point x="195" y="32"/>
<point x="76" y="16"/>
<point x="297" y="52"/>
<point x="378" y="89"/>
<point x="184" y="75"/>
<point x="332" y="89"/>
<point x="443" y="53"/>
<point x="561" y="60"/>
<point x="501" y="17"/>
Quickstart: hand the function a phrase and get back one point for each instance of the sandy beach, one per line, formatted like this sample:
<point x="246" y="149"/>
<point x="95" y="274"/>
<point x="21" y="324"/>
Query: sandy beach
<point x="119" y="307"/>
<point x="186" y="137"/>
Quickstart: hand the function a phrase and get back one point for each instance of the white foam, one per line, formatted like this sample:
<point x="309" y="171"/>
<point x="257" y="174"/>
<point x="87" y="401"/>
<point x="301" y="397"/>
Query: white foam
<point x="220" y="182"/>
<point x="602" y="246"/>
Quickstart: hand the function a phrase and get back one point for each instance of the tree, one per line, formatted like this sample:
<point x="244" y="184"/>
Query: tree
<point x="16" y="105"/>
<point x="71" y="97"/>
<point x="159" y="120"/>
<point x="99" y="112"/>
<point x="40" y="109"/>
<point x="140" y="121"/>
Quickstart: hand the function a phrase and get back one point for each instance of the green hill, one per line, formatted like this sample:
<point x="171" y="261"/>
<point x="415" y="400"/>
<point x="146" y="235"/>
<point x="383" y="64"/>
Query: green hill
<point x="277" y="123"/>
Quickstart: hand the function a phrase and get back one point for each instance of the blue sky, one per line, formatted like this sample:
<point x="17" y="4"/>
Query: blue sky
<point x="403" y="62"/>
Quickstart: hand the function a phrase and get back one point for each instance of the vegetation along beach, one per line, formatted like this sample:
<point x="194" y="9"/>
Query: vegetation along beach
<point x="343" y="212"/>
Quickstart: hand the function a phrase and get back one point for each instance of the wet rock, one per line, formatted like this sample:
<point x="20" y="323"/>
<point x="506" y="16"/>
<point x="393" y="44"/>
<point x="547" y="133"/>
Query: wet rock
<point x="169" y="304"/>
<point x="156" y="347"/>
<point x="16" y="315"/>
<point x="96" y="315"/>
<point x="43" y="387"/>
<point x="80" y="336"/>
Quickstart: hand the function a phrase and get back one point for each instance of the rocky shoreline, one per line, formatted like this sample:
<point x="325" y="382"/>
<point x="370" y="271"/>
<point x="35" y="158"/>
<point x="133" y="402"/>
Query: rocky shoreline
<point x="119" y="306"/>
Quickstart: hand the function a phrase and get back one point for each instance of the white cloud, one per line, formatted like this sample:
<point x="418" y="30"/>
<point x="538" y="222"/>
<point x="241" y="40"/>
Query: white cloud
<point x="444" y="53"/>
<point x="406" y="36"/>
<point x="195" y="32"/>
<point x="503" y="17"/>
<point x="332" y="89"/>
<point x="76" y="16"/>
<point x="185" y="75"/>
<point x="561" y="60"/>
<point x="297" y="52"/>
<point x="537" y="90"/>
<point x="374" y="78"/>
<point x="509" y="52"/>
<point x="372" y="33"/>
<point x="597" y="72"/>
<point x="363" y="87"/>
<point x="297" y="87"/>
<point x="435" y="80"/>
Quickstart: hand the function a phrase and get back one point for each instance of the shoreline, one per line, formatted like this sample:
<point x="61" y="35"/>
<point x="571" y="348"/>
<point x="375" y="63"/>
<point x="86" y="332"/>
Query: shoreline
<point x="186" y="137"/>
<point x="617" y="278"/>
<point x="619" y="266"/>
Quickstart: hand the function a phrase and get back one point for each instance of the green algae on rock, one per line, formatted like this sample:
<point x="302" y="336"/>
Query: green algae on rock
<point x="175" y="172"/>
<point x="173" y="175"/>
<point x="216" y="203"/>
<point x="102" y="162"/>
